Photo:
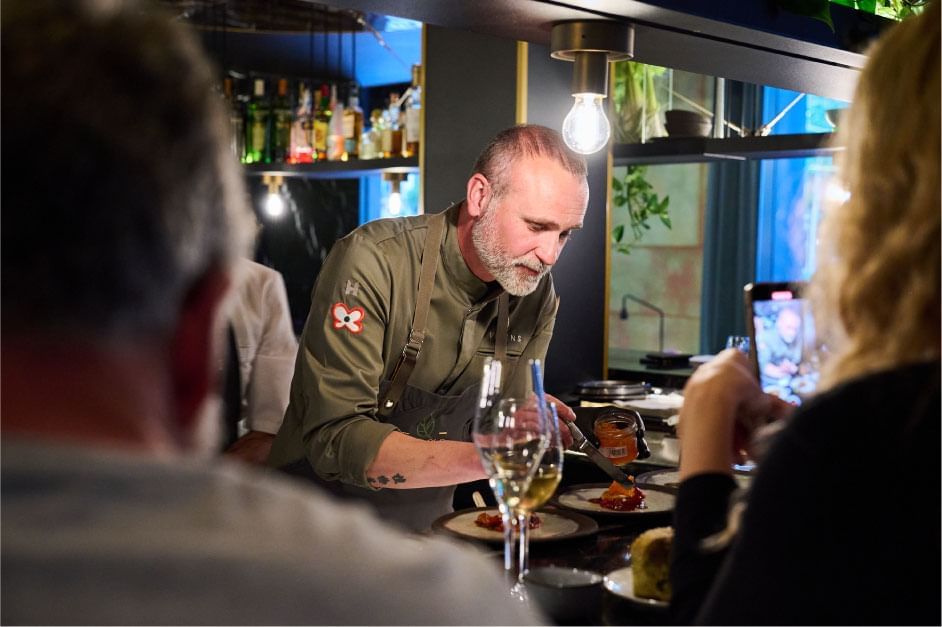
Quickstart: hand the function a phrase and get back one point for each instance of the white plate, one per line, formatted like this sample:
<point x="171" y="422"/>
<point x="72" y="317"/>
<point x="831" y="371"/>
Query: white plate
<point x="621" y="583"/>
<point x="670" y="478"/>
<point x="557" y="525"/>
<point x="657" y="405"/>
<point x="658" y="500"/>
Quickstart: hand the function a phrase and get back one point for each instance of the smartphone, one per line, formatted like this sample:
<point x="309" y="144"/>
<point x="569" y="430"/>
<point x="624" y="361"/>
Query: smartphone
<point x="782" y="339"/>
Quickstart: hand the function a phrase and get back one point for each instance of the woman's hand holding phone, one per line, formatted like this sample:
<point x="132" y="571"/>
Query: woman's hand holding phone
<point x="723" y="407"/>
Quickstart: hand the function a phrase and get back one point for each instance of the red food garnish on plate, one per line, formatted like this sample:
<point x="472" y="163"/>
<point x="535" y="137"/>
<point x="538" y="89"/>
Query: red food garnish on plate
<point x="495" y="523"/>
<point x="620" y="499"/>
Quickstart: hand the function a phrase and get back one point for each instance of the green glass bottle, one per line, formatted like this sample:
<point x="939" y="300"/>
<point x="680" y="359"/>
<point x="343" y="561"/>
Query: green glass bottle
<point x="257" y="133"/>
<point x="281" y="124"/>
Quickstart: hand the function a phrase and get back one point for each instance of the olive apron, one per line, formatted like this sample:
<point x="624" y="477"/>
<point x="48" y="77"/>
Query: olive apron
<point x="420" y="413"/>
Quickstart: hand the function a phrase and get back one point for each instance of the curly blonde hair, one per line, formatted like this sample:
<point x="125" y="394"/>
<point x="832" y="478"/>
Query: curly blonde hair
<point x="876" y="292"/>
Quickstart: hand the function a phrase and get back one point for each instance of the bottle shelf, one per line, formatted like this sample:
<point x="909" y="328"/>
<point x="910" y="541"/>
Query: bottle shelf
<point x="701" y="149"/>
<point x="354" y="168"/>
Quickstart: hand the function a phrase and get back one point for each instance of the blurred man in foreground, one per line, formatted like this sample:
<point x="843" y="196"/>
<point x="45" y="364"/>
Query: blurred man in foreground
<point x="122" y="213"/>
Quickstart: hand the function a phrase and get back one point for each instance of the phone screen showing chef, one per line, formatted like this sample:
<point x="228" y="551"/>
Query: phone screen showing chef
<point x="782" y="339"/>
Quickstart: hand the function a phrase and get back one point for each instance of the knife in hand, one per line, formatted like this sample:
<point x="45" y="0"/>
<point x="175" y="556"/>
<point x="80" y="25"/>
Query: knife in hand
<point x="582" y="444"/>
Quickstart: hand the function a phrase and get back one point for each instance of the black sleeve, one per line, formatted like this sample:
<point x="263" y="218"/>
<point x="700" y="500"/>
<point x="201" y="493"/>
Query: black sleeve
<point x="701" y="510"/>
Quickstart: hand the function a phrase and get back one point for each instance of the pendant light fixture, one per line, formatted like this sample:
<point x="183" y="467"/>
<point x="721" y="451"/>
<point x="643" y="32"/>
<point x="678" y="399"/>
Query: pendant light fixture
<point x="274" y="201"/>
<point x="590" y="45"/>
<point x="394" y="202"/>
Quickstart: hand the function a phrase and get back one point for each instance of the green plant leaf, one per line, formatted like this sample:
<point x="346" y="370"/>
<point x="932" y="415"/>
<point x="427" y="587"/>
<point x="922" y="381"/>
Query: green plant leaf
<point x="816" y="9"/>
<point x="618" y="232"/>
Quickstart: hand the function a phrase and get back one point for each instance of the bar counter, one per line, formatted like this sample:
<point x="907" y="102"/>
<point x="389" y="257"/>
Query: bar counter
<point x="604" y="551"/>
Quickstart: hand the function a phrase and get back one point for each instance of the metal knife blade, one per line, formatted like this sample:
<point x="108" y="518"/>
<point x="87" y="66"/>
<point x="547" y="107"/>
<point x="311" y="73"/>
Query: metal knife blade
<point x="597" y="458"/>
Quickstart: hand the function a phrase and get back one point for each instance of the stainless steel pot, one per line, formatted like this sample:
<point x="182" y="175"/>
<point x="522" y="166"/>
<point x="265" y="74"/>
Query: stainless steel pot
<point x="611" y="390"/>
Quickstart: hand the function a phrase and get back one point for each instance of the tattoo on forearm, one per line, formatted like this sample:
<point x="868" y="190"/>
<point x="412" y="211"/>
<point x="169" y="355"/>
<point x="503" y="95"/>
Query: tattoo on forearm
<point x="384" y="480"/>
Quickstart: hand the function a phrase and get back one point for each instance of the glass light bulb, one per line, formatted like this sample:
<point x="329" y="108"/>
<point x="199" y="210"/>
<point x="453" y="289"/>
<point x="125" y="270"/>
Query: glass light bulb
<point x="274" y="205"/>
<point x="586" y="129"/>
<point x="395" y="203"/>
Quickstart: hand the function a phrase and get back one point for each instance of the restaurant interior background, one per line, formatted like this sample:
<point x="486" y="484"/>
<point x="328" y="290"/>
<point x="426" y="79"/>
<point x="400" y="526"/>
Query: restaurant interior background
<point x="742" y="204"/>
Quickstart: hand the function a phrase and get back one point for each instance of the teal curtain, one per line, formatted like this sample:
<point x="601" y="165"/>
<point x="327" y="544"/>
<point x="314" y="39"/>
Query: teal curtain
<point x="729" y="247"/>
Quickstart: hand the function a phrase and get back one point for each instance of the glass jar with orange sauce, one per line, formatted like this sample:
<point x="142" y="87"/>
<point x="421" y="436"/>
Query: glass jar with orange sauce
<point x="617" y="432"/>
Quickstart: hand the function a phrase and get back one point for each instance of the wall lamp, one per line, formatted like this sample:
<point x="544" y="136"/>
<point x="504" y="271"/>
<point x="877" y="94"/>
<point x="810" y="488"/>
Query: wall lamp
<point x="274" y="202"/>
<point x="394" y="204"/>
<point x="660" y="313"/>
<point x="590" y="45"/>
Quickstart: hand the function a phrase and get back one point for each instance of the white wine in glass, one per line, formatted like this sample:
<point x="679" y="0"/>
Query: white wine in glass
<point x="510" y="446"/>
<point x="542" y="487"/>
<point x="545" y="479"/>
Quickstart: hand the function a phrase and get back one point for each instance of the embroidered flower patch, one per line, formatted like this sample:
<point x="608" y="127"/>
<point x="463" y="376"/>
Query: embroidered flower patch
<point x="350" y="319"/>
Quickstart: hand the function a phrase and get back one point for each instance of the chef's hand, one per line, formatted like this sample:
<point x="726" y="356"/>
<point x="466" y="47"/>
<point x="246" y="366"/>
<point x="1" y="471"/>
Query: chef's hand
<point x="566" y="415"/>
<point x="723" y="406"/>
<point x="253" y="447"/>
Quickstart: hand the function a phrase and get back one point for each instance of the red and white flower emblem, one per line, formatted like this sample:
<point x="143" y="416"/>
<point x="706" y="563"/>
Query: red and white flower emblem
<point x="346" y="318"/>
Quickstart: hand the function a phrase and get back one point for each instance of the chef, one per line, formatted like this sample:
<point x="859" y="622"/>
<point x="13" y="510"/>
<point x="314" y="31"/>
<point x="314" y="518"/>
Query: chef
<point x="403" y="315"/>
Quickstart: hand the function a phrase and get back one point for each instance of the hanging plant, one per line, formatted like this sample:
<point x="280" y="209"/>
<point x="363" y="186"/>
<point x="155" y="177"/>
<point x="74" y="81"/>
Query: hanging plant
<point x="637" y="196"/>
<point x="821" y="9"/>
<point x="635" y="102"/>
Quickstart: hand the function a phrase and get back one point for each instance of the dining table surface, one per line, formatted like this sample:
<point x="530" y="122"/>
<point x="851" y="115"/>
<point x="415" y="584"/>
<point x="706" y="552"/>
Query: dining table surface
<point x="606" y="548"/>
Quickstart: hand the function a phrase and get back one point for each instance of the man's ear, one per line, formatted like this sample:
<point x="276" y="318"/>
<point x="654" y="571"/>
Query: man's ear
<point x="195" y="345"/>
<point x="477" y="194"/>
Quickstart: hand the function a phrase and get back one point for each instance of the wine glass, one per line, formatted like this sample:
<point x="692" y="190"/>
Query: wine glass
<point x="546" y="478"/>
<point x="739" y="342"/>
<point x="510" y="443"/>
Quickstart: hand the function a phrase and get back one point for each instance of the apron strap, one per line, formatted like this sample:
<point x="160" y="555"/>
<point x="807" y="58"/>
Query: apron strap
<point x="503" y="328"/>
<point x="410" y="352"/>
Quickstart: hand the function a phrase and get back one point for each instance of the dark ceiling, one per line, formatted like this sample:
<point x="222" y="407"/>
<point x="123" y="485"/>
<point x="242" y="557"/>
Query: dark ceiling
<point x="753" y="41"/>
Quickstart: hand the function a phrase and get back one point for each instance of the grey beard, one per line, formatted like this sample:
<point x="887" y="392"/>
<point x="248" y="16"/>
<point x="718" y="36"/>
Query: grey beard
<point x="496" y="260"/>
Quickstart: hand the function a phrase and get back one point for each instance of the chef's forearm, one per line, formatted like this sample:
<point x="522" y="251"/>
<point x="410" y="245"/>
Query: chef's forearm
<point x="404" y="462"/>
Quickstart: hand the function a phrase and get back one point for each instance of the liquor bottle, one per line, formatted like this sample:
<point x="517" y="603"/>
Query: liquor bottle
<point x="236" y="121"/>
<point x="352" y="124"/>
<point x="392" y="133"/>
<point x="376" y="133"/>
<point x="385" y="129"/>
<point x="302" y="129"/>
<point x="366" y="150"/>
<point x="410" y="144"/>
<point x="322" y="123"/>
<point x="335" y="129"/>
<point x="281" y="124"/>
<point x="257" y="142"/>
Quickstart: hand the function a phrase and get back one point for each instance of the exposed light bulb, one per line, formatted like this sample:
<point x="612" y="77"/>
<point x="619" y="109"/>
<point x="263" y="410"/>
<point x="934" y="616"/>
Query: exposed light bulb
<point x="274" y="205"/>
<point x="395" y="203"/>
<point x="586" y="129"/>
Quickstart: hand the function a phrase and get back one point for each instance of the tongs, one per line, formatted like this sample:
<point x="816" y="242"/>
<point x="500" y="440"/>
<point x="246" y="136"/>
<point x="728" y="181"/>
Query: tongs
<point x="581" y="443"/>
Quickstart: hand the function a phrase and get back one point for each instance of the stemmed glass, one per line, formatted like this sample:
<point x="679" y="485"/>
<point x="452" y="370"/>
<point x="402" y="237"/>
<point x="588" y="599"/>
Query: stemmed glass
<point x="739" y="342"/>
<point x="545" y="479"/>
<point x="510" y="442"/>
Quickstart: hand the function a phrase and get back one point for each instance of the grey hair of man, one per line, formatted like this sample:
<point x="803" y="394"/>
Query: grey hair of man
<point x="119" y="191"/>
<point x="517" y="142"/>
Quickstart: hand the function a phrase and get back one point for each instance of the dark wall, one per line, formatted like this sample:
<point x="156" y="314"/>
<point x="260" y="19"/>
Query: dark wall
<point x="318" y="213"/>
<point x="470" y="95"/>
<point x="577" y="350"/>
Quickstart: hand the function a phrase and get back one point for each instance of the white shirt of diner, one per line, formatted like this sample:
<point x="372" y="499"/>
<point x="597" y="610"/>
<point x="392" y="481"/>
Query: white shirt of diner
<point x="265" y="341"/>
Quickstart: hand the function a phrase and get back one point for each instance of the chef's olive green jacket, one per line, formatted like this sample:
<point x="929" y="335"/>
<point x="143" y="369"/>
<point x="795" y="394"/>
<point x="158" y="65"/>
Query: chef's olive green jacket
<point x="360" y="317"/>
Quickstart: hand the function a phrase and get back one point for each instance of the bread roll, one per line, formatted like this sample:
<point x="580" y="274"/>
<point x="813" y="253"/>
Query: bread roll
<point x="650" y="563"/>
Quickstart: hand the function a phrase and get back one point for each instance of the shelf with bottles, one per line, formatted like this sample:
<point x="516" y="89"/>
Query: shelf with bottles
<point x="352" y="168"/>
<point x="306" y="130"/>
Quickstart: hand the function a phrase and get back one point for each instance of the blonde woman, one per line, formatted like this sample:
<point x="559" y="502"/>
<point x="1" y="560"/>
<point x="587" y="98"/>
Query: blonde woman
<point x="842" y="522"/>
